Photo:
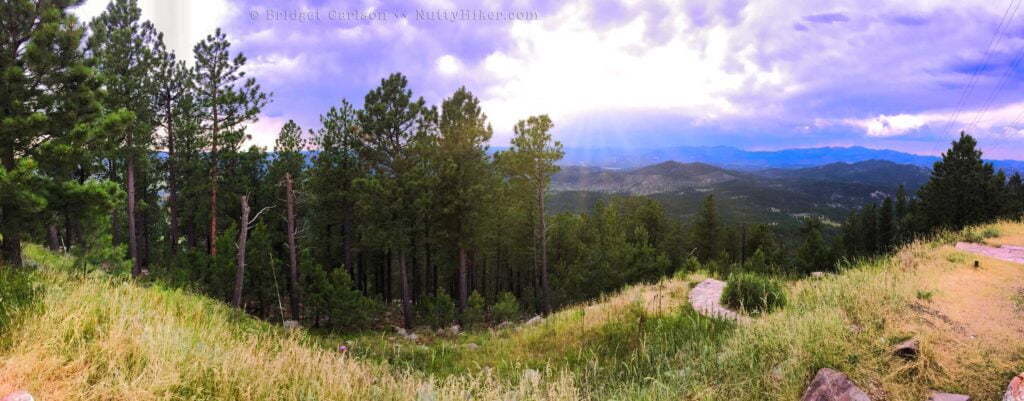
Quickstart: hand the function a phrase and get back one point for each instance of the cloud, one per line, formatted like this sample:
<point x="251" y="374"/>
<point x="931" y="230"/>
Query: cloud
<point x="827" y="18"/>
<point x="183" y="22"/>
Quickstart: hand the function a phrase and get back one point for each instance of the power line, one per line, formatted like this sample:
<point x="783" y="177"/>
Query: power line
<point x="988" y="53"/>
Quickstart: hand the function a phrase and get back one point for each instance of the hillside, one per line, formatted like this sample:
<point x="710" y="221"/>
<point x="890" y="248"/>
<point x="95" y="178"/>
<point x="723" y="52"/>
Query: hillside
<point x="773" y="196"/>
<point x="882" y="173"/>
<point x="90" y="336"/>
<point x="749" y="160"/>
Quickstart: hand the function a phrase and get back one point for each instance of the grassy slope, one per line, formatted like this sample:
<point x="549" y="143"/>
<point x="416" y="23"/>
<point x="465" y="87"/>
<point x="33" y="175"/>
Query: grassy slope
<point x="93" y="337"/>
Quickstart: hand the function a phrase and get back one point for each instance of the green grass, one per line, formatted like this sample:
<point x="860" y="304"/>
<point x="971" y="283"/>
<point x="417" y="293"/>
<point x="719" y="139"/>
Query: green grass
<point x="86" y="335"/>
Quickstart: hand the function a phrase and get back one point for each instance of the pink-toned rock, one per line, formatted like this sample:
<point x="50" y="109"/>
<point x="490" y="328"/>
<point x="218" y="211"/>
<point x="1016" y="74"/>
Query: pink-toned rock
<point x="832" y="385"/>
<point x="1015" y="390"/>
<point x="937" y="396"/>
<point x="20" y="395"/>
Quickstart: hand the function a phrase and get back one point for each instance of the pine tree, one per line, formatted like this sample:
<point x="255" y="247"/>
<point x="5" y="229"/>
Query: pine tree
<point x="288" y="168"/>
<point x="42" y="65"/>
<point x="392" y="123"/>
<point x="173" y="93"/>
<point x="962" y="188"/>
<point x="707" y="232"/>
<point x="227" y="101"/>
<point x="533" y="156"/>
<point x="121" y="47"/>
<point x="331" y="179"/>
<point x="814" y="254"/>
<point x="886" y="226"/>
<point x="464" y="163"/>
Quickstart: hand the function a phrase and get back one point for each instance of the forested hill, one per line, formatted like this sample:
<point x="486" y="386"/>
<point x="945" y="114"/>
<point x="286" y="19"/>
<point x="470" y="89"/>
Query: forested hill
<point x="772" y="195"/>
<point x="747" y="160"/>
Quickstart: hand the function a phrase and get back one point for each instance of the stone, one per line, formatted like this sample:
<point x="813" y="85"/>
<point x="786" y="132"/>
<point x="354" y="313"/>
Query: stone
<point x="401" y="331"/>
<point x="412" y="337"/>
<point x="1015" y="390"/>
<point x="907" y="349"/>
<point x="503" y="325"/>
<point x="20" y="395"/>
<point x="832" y="385"/>
<point x="817" y="274"/>
<point x="291" y="324"/>
<point x="937" y="396"/>
<point x="534" y="320"/>
<point x="471" y="346"/>
<point x="454" y="330"/>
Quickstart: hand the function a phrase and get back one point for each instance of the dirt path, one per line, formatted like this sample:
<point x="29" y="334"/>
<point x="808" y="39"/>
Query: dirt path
<point x="1009" y="253"/>
<point x="706" y="299"/>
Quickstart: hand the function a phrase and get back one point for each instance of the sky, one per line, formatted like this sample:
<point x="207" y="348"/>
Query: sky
<point x="907" y="75"/>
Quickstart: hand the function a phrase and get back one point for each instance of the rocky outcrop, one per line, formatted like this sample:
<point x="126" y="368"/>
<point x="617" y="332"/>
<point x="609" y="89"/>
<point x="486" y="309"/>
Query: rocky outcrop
<point x="832" y="385"/>
<point x="1007" y="252"/>
<point x="20" y="395"/>
<point x="706" y="299"/>
<point x="907" y="349"/>
<point x="937" y="396"/>
<point x="1015" y="390"/>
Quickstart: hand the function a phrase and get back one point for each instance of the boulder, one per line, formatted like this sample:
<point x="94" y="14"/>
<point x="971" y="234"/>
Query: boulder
<point x="937" y="396"/>
<point x="471" y="346"/>
<point x="291" y="324"/>
<point x="454" y="330"/>
<point x="832" y="385"/>
<point x="504" y="325"/>
<point x="401" y="331"/>
<point x="20" y="395"/>
<point x="534" y="320"/>
<point x="817" y="274"/>
<point x="907" y="349"/>
<point x="1015" y="390"/>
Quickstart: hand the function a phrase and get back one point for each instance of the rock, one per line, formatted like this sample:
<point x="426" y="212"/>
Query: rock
<point x="832" y="385"/>
<point x="503" y="325"/>
<point x="20" y="395"/>
<point x="471" y="346"/>
<point x="454" y="330"/>
<point x="907" y="349"/>
<point x="412" y="337"/>
<point x="817" y="274"/>
<point x="1015" y="390"/>
<point x="937" y="396"/>
<point x="401" y="331"/>
<point x="534" y="320"/>
<point x="291" y="324"/>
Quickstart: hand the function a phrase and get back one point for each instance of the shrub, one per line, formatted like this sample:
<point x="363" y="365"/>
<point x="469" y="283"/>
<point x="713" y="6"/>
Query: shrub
<point x="753" y="293"/>
<point x="16" y="291"/>
<point x="476" y="306"/>
<point x="436" y="311"/>
<point x="332" y="301"/>
<point x="506" y="309"/>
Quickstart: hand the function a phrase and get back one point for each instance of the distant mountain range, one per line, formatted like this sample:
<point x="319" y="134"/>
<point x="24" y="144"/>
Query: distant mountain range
<point x="770" y="195"/>
<point x="738" y="159"/>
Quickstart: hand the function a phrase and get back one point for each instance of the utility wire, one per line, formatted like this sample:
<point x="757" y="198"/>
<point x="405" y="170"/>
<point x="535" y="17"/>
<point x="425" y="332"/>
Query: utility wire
<point x="1003" y="81"/>
<point x="988" y="54"/>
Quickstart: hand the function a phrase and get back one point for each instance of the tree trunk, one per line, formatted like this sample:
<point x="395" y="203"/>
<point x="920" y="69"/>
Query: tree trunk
<point x="243" y="236"/>
<point x="214" y="177"/>
<point x="54" y="237"/>
<point x="293" y="252"/>
<point x="172" y="184"/>
<point x="133" y="237"/>
<point x="545" y="289"/>
<point x="462" y="280"/>
<point x="406" y="293"/>
<point x="346" y="243"/>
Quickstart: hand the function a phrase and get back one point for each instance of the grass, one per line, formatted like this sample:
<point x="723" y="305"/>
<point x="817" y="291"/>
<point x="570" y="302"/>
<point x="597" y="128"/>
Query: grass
<point x="91" y="336"/>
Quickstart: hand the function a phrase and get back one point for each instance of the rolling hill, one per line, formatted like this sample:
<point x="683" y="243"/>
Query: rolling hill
<point x="747" y="160"/>
<point x="772" y="195"/>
